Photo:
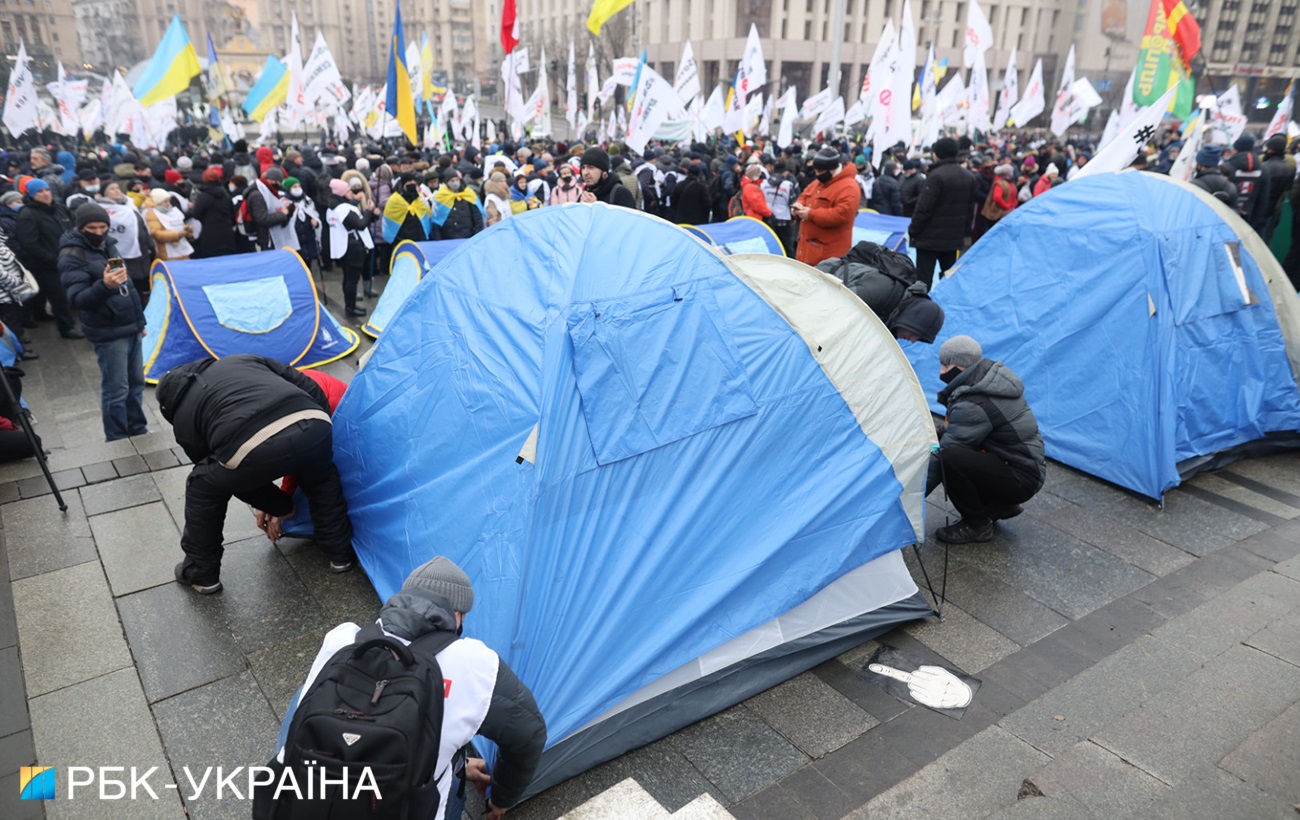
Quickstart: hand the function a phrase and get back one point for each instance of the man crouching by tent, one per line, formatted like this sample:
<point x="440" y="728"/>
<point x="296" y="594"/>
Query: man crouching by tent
<point x="990" y="457"/>
<point x="245" y="421"/>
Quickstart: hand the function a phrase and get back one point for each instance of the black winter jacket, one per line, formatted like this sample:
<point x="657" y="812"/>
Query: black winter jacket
<point x="215" y="405"/>
<point x="40" y="227"/>
<point x="106" y="314"/>
<point x="942" y="218"/>
<point x="262" y="217"/>
<point x="464" y="221"/>
<point x="1217" y="185"/>
<point x="691" y="198"/>
<point x="215" y="211"/>
<point x="912" y="186"/>
<point x="987" y="411"/>
<point x="1280" y="176"/>
<point x="1245" y="171"/>
<point x="887" y="195"/>
<point x="9" y="224"/>
<point x="610" y="190"/>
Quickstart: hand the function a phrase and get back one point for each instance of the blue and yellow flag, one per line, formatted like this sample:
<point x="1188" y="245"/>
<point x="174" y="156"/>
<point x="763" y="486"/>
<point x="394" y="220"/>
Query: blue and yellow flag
<point x="170" y="69"/>
<point x="216" y="73"/>
<point x="271" y="89"/>
<point x="400" y="103"/>
<point x="426" y="70"/>
<point x="398" y="209"/>
<point x="444" y="199"/>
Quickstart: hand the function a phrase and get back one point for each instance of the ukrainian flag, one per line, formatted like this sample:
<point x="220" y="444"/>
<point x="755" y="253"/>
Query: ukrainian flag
<point x="426" y="69"/>
<point x="271" y="89"/>
<point x="170" y="69"/>
<point x="400" y="102"/>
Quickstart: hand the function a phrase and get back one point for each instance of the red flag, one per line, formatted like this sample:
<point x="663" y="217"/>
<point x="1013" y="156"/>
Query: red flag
<point x="509" y="26"/>
<point x="1183" y="29"/>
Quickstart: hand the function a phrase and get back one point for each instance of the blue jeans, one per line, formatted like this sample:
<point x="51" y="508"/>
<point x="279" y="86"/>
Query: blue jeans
<point x="121" y="391"/>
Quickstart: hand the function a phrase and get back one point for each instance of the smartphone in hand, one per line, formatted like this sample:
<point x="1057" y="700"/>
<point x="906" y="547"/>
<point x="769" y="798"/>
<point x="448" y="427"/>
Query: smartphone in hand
<point x="116" y="264"/>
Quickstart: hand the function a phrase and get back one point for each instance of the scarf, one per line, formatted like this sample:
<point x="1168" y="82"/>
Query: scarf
<point x="398" y="209"/>
<point x="445" y="199"/>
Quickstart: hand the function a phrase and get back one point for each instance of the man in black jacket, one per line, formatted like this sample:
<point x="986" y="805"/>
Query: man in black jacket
<point x="691" y="196"/>
<point x="41" y="224"/>
<point x="913" y="182"/>
<point x="1209" y="176"/>
<point x="245" y="421"/>
<point x="942" y="219"/>
<point x="112" y="317"/>
<point x="601" y="187"/>
<point x="1279" y="172"/>
<point x="887" y="195"/>
<point x="1243" y="169"/>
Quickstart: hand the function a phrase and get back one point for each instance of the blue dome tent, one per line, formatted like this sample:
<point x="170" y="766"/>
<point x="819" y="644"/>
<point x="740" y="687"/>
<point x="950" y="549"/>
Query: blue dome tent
<point x="676" y="478"/>
<point x="889" y="231"/>
<point x="411" y="260"/>
<point x="1154" y="332"/>
<point x="263" y="303"/>
<point x="740" y="234"/>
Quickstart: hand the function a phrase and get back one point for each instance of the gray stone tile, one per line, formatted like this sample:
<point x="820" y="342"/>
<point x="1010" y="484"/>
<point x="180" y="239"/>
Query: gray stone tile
<point x="1092" y="699"/>
<point x="16" y="750"/>
<point x="1043" y="808"/>
<point x="15" y="471"/>
<point x="660" y="769"/>
<point x="1233" y="616"/>
<point x="13" y="699"/>
<point x="1098" y="780"/>
<point x="68" y="628"/>
<point x="264" y="602"/>
<point x="1281" y="639"/>
<point x="160" y="460"/>
<point x="1242" y="496"/>
<point x="171" y="485"/>
<point x="64" y="480"/>
<point x="1290" y="568"/>
<point x="139" y="547"/>
<point x="9" y="492"/>
<point x="226" y="723"/>
<point x="347" y="596"/>
<point x="819" y="796"/>
<point x="980" y="776"/>
<point x="97" y="473"/>
<point x="738" y="752"/>
<point x="122" y="732"/>
<point x="968" y="643"/>
<point x="180" y="640"/>
<point x="65" y="458"/>
<point x="923" y="735"/>
<point x="1276" y="544"/>
<point x="1270" y="758"/>
<point x="1206" y="716"/>
<point x="51" y="540"/>
<point x="1185" y="589"/>
<point x="119" y="494"/>
<point x="811" y="715"/>
<point x="1115" y="625"/>
<point x="8" y="623"/>
<point x="130" y="465"/>
<point x="866" y="767"/>
<point x="1210" y="793"/>
<point x="1004" y="608"/>
<point x="776" y="802"/>
<point x="282" y="667"/>
<point x="870" y="698"/>
<point x="160" y="440"/>
<point x="11" y="807"/>
<point x="1120" y="540"/>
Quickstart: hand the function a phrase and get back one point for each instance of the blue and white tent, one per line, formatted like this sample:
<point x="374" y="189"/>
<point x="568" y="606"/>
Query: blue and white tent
<point x="889" y="231"/>
<point x="675" y="478"/>
<point x="1151" y="326"/>
<point x="740" y="234"/>
<point x="263" y="303"/>
<point x="411" y="260"/>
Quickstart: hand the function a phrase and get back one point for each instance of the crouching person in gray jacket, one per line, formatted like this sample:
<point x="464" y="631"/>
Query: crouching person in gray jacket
<point x="479" y="695"/>
<point x="990" y="457"/>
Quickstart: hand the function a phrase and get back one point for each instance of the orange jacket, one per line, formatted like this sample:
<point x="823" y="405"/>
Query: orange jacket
<point x="828" y="229"/>
<point x="753" y="198"/>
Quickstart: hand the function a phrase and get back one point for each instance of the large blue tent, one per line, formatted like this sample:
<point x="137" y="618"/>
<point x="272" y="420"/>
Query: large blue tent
<point x="740" y="234"/>
<point x="263" y="303"/>
<point x="411" y="261"/>
<point x="1153" y="330"/>
<point x="676" y="478"/>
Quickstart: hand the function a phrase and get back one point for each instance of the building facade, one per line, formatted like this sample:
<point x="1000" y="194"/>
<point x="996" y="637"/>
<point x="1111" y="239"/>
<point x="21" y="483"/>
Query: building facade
<point x="48" y="29"/>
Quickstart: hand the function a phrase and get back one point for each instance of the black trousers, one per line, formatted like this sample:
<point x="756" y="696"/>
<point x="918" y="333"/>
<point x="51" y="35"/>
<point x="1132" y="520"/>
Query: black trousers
<point x="926" y="260"/>
<point x="354" y="266"/>
<point x="305" y="450"/>
<point x="52" y="293"/>
<point x="979" y="483"/>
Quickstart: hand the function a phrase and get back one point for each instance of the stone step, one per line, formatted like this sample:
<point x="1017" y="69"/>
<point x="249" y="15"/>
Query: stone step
<point x="626" y="800"/>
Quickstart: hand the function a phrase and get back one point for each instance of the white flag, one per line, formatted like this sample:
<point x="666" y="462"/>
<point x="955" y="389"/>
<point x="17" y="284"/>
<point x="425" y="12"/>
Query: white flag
<point x="830" y="117"/>
<point x="543" y="115"/>
<point x="977" y="113"/>
<point x="1009" y="94"/>
<point x="21" y="112"/>
<point x="952" y="103"/>
<point x="625" y="70"/>
<point x="856" y="113"/>
<point x="90" y="117"/>
<point x="321" y="79"/>
<point x="655" y="102"/>
<point x="687" y="81"/>
<point x="752" y="73"/>
<point x="816" y="104"/>
<point x="571" y="90"/>
<point x="789" y="112"/>
<point x="1184" y="166"/>
<point x="900" y="123"/>
<point x="234" y="131"/>
<point x="880" y="72"/>
<point x="415" y="74"/>
<point x="734" y="118"/>
<point x="583" y="122"/>
<point x="1127" y="107"/>
<point x="765" y="124"/>
<point x="753" y="113"/>
<point x="68" y="96"/>
<point x="126" y="108"/>
<point x="1119" y="154"/>
<point x="1112" y="128"/>
<point x="1083" y="98"/>
<point x="521" y="63"/>
<point x="1033" y="103"/>
<point x="714" y="110"/>
<point x="607" y="90"/>
<point x="1062" y="115"/>
<point x="1228" y="120"/>
<point x="295" y="101"/>
<point x="593" y="81"/>
<point x="979" y="35"/>
<point x="514" y="102"/>
<point x="533" y="106"/>
<point x="929" y="85"/>
<point x="1281" y="122"/>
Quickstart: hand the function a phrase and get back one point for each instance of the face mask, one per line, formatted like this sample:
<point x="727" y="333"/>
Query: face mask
<point x="164" y="208"/>
<point x="824" y="176"/>
<point x="92" y="189"/>
<point x="96" y="240"/>
<point x="17" y="206"/>
<point x="232" y="188"/>
<point x="947" y="378"/>
<point x="453" y="185"/>
<point x="295" y="192"/>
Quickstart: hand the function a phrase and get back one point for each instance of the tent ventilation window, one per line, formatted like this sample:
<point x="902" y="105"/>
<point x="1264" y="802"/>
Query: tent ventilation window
<point x="1233" y="250"/>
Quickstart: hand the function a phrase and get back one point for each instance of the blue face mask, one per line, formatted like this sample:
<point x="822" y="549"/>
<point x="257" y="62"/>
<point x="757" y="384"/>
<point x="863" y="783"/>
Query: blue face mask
<point x="92" y="189"/>
<point x="17" y="206"/>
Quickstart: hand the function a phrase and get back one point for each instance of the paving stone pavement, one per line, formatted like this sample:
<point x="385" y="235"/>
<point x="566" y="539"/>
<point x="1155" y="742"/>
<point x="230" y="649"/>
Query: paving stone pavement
<point x="1135" y="661"/>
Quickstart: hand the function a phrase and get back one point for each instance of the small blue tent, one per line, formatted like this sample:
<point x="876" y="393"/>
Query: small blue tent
<point x="676" y="478"/>
<point x="1151" y="327"/>
<point x="740" y="234"/>
<point x="411" y="260"/>
<point x="889" y="231"/>
<point x="263" y="303"/>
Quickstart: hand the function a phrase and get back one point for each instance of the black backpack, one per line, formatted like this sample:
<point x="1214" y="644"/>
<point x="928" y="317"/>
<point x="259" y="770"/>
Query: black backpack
<point x="378" y="705"/>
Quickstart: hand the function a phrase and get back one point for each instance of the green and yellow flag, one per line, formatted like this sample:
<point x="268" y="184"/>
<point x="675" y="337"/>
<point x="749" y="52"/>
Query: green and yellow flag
<point x="1159" y="67"/>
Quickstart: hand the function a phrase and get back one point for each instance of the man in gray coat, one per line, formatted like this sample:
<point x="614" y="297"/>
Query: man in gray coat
<point x="990" y="457"/>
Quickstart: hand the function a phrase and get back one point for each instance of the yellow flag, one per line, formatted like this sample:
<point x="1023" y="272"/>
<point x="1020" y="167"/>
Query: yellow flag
<point x="601" y="11"/>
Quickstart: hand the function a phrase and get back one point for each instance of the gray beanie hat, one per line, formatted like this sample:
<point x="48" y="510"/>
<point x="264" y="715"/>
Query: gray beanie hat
<point x="960" y="351"/>
<point x="442" y="577"/>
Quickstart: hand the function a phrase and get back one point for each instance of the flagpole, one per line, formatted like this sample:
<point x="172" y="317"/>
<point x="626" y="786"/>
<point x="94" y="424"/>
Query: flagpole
<point x="837" y="40"/>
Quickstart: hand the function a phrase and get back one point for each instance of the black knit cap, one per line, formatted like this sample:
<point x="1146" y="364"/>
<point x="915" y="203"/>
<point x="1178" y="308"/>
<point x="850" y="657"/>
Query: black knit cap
<point x="596" y="158"/>
<point x="826" y="159"/>
<point x="945" y="148"/>
<point x="88" y="213"/>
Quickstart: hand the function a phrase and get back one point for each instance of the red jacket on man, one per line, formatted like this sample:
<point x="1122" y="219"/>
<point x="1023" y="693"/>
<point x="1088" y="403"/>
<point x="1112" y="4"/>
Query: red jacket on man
<point x="753" y="199"/>
<point x="827" y="231"/>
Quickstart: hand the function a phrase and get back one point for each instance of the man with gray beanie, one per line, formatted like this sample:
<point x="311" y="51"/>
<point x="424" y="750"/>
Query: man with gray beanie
<point x="990" y="458"/>
<point x="482" y="695"/>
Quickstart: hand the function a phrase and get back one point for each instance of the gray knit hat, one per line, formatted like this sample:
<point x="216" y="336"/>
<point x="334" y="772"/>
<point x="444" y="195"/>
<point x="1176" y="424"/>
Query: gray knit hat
<point x="960" y="351"/>
<point x="442" y="577"/>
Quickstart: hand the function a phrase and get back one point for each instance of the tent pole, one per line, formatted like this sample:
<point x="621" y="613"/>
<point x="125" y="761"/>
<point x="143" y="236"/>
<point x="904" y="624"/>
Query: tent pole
<point x="25" y="421"/>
